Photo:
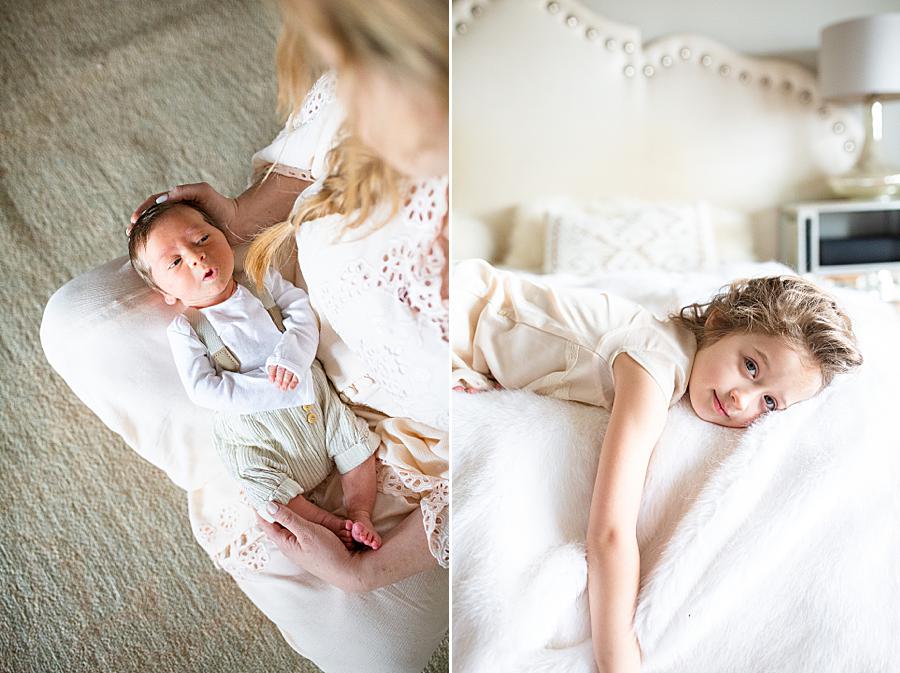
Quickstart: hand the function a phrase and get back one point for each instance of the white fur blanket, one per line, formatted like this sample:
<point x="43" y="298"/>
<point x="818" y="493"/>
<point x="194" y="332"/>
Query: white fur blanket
<point x="775" y="548"/>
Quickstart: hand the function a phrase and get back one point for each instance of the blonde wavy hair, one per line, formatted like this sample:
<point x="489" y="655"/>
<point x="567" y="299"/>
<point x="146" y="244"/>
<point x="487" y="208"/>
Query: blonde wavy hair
<point x="406" y="39"/>
<point x="787" y="307"/>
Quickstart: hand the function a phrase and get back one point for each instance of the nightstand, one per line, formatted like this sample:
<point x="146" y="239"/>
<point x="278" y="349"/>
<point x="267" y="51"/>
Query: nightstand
<point x="850" y="243"/>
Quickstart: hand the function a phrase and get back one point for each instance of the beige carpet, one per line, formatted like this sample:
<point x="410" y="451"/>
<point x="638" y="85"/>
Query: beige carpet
<point x="103" y="102"/>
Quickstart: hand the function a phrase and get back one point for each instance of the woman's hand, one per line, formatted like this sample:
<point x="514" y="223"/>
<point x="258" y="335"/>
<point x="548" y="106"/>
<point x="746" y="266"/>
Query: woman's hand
<point x="403" y="552"/>
<point x="261" y="205"/>
<point x="221" y="209"/>
<point x="313" y="547"/>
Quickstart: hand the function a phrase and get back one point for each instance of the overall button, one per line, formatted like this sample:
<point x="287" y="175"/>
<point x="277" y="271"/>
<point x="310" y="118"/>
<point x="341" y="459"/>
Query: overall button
<point x="311" y="418"/>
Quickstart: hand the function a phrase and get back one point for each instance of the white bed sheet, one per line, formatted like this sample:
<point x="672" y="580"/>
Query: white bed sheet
<point x="772" y="548"/>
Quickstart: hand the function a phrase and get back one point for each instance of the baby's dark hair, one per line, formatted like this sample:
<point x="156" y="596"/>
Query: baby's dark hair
<point x="140" y="233"/>
<point x="788" y="307"/>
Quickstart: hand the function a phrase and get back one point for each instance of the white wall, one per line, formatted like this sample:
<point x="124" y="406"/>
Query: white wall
<point x="768" y="28"/>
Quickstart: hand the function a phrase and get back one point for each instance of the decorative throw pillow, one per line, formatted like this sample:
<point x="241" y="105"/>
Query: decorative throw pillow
<point x="471" y="238"/>
<point x="627" y="235"/>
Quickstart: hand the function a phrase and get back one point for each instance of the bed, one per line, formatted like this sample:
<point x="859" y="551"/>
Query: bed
<point x="774" y="548"/>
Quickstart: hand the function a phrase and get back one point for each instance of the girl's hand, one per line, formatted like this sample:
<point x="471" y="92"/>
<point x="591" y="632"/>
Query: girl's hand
<point x="474" y="391"/>
<point x="313" y="548"/>
<point x="283" y="378"/>
<point x="221" y="209"/>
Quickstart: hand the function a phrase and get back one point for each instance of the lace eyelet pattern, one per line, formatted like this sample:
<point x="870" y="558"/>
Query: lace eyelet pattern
<point x="434" y="494"/>
<point x="323" y="92"/>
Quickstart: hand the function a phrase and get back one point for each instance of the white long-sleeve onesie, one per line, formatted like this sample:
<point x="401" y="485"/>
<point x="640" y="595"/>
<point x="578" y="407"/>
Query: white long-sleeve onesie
<point x="247" y="329"/>
<point x="278" y="443"/>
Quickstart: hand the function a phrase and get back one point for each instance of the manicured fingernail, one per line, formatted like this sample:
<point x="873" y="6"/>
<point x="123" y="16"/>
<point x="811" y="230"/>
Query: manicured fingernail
<point x="162" y="199"/>
<point x="272" y="507"/>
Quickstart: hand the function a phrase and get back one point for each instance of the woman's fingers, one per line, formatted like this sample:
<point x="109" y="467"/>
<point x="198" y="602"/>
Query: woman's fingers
<point x="292" y="525"/>
<point x="201" y="192"/>
<point x="149" y="201"/>
<point x="281" y="536"/>
<point x="279" y="377"/>
<point x="221" y="209"/>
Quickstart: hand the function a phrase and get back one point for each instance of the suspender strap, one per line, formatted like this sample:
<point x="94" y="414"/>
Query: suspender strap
<point x="263" y="294"/>
<point x="219" y="352"/>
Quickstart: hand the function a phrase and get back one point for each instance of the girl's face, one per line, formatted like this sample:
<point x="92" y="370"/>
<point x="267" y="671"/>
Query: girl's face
<point x="405" y="124"/>
<point x="743" y="376"/>
<point x="189" y="259"/>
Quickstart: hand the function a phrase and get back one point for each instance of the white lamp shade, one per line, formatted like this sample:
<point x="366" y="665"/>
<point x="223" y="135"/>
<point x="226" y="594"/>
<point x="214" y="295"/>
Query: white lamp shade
<point x="861" y="57"/>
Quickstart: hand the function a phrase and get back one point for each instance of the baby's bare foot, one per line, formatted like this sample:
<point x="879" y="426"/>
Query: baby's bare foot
<point x="345" y="535"/>
<point x="340" y="526"/>
<point x="364" y="532"/>
<point x="343" y="528"/>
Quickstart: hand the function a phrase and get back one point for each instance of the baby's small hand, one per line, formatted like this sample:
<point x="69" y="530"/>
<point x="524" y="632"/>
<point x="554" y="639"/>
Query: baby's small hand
<point x="283" y="378"/>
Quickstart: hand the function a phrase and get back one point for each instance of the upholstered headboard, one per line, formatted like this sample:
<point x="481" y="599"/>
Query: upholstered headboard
<point x="551" y="99"/>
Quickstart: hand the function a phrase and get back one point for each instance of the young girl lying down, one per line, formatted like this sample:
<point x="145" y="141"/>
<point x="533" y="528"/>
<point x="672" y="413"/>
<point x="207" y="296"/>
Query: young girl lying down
<point x="760" y="346"/>
<point x="248" y="354"/>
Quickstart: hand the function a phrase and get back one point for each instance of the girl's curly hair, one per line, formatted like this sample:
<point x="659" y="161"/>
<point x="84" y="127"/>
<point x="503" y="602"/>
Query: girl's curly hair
<point x="788" y="307"/>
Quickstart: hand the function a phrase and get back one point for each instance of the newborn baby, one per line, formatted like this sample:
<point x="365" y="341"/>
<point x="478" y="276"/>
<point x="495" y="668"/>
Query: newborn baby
<point x="248" y="353"/>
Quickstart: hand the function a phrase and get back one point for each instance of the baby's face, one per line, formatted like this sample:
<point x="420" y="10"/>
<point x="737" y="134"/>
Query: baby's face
<point x="742" y="376"/>
<point x="190" y="260"/>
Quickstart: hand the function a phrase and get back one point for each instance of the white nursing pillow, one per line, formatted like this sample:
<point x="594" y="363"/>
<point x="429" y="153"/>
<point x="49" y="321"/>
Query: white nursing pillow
<point x="104" y="332"/>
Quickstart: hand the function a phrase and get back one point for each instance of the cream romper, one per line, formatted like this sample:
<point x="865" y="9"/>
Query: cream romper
<point x="557" y="342"/>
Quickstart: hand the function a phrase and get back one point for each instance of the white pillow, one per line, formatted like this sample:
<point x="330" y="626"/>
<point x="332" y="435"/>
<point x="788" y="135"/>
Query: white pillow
<point x="470" y="238"/>
<point x="732" y="233"/>
<point x="104" y="332"/>
<point x="528" y="236"/>
<point x="628" y="236"/>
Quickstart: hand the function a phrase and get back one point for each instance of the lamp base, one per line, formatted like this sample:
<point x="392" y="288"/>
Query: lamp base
<point x="859" y="184"/>
<point x="873" y="177"/>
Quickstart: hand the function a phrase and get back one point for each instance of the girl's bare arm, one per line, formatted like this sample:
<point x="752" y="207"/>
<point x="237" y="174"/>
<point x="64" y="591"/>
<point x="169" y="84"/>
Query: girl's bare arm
<point x="636" y="422"/>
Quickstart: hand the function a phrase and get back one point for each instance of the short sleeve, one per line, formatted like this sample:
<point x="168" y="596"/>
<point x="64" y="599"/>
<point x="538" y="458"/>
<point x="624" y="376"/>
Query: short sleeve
<point x="663" y="349"/>
<point x="300" y="149"/>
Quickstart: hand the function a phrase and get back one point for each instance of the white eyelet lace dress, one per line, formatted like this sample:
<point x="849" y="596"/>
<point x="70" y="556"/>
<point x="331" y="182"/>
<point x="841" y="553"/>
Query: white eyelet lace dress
<point x="377" y="292"/>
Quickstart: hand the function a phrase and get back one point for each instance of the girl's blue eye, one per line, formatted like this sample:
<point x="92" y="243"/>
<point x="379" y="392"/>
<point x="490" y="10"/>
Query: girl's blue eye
<point x="770" y="403"/>
<point x="751" y="367"/>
